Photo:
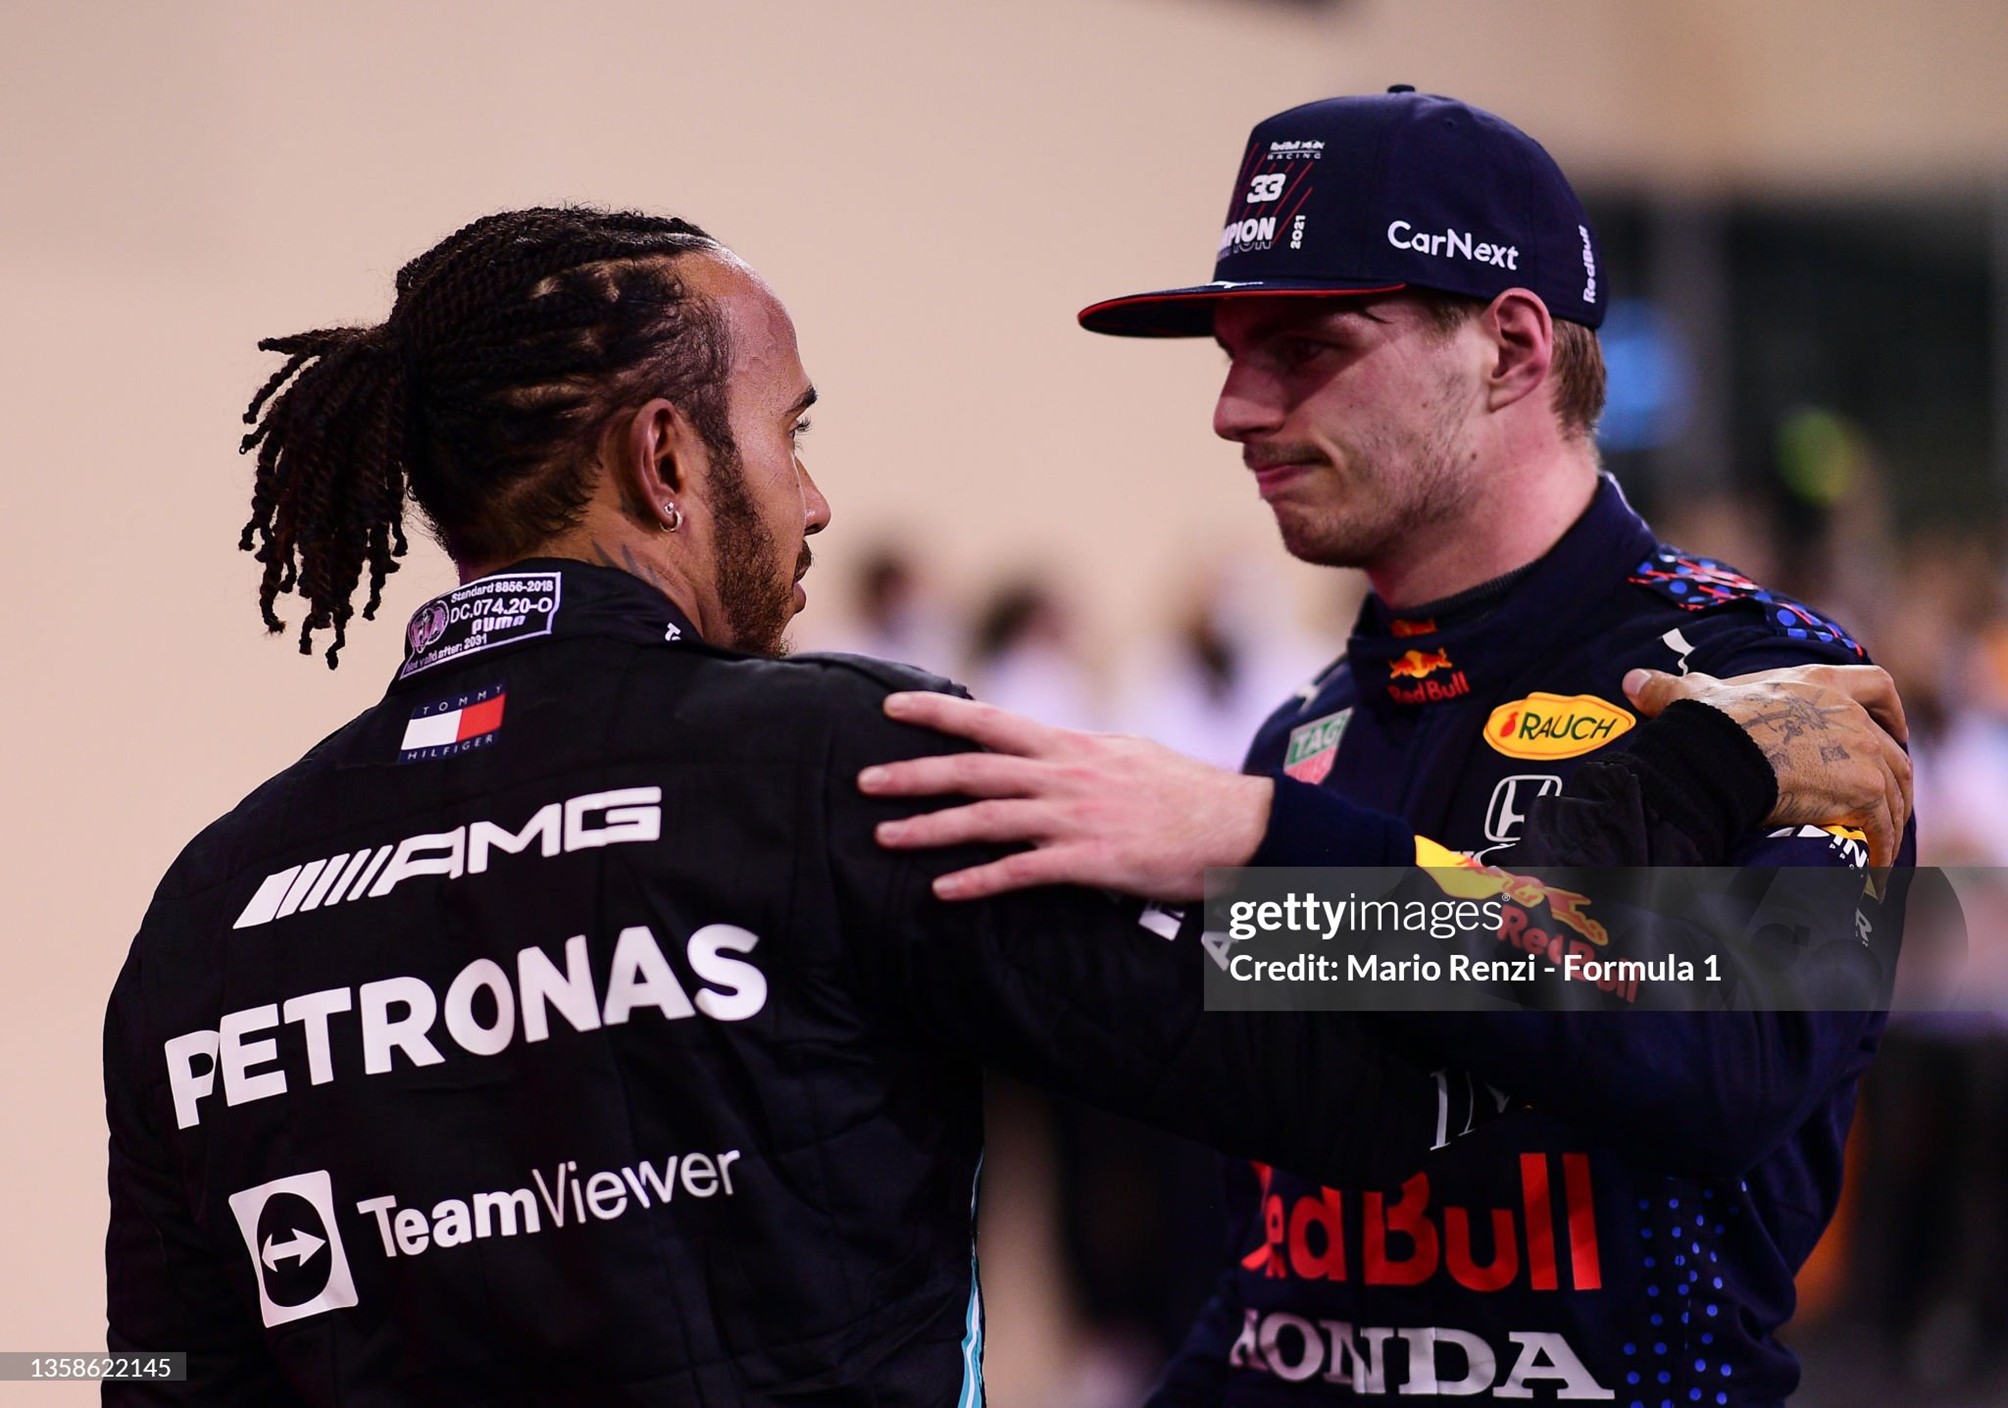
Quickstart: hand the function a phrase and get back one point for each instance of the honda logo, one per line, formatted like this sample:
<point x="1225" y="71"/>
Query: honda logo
<point x="1507" y="812"/>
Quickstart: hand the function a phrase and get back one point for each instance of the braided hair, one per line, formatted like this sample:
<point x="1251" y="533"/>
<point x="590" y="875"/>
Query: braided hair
<point x="512" y="343"/>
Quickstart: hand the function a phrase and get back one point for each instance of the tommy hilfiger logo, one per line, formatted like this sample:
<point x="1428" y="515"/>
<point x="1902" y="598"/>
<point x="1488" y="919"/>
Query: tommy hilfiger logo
<point x="456" y="725"/>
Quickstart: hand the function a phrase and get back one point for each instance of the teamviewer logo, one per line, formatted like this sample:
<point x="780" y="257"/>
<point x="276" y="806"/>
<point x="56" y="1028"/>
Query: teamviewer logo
<point x="296" y="1249"/>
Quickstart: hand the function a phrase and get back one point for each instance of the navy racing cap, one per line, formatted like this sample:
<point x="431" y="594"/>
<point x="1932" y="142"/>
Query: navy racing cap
<point x="1372" y="194"/>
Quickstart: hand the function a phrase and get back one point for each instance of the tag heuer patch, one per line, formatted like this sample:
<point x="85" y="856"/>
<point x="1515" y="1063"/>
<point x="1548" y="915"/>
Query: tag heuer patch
<point x="1314" y="745"/>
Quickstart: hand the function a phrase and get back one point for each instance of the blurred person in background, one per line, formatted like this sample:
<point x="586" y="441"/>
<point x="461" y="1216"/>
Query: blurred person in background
<point x="1025" y="655"/>
<point x="1232" y="649"/>
<point x="1407" y="294"/>
<point x="899" y="613"/>
<point x="1952" y="653"/>
<point x="1930" y="1242"/>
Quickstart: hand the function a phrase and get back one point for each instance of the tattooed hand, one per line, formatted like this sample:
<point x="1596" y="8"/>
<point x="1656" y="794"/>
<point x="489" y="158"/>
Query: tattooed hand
<point x="1831" y="733"/>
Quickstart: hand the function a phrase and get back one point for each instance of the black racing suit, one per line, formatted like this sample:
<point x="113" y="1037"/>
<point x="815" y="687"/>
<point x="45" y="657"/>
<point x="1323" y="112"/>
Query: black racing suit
<point x="556" y="1032"/>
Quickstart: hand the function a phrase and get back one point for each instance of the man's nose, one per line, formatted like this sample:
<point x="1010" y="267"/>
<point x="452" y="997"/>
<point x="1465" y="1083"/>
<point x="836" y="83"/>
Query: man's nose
<point x="815" y="508"/>
<point x="1248" y="405"/>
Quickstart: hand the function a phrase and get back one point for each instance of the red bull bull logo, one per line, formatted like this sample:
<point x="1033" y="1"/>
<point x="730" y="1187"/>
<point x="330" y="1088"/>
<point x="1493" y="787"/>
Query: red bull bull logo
<point x="1419" y="664"/>
<point x="1565" y="907"/>
<point x="1523" y="926"/>
<point x="1422" y="666"/>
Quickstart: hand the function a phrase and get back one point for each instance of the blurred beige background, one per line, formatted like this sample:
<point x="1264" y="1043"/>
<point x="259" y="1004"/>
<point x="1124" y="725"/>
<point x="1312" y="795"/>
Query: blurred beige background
<point x="933" y="189"/>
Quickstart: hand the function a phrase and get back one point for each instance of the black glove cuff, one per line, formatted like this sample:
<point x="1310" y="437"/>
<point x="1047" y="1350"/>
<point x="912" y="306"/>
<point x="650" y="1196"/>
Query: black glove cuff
<point x="1699" y="771"/>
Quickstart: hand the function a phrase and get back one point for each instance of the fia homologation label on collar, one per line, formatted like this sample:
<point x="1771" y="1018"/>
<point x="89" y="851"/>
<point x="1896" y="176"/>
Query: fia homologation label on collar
<point x="479" y="616"/>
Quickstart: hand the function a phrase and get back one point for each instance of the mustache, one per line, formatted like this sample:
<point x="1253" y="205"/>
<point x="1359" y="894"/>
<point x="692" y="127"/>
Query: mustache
<point x="1273" y="456"/>
<point x="803" y="562"/>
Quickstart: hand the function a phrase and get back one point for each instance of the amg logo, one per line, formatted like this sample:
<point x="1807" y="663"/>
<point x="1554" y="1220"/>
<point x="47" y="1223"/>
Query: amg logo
<point x="577" y="824"/>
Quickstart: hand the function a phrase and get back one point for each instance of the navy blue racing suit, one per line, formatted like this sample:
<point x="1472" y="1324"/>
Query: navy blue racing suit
<point x="1633" y="1236"/>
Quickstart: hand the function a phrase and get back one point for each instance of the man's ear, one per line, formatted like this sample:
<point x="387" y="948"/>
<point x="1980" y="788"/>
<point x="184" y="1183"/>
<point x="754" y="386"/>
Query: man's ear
<point x="1523" y="339"/>
<point x="653" y="455"/>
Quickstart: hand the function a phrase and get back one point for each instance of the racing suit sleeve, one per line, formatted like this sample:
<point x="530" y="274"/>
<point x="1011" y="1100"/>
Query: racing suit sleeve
<point x="1691" y="785"/>
<point x="1708" y="1093"/>
<point x="163" y="1289"/>
<point x="1311" y="826"/>
<point x="1099" y="998"/>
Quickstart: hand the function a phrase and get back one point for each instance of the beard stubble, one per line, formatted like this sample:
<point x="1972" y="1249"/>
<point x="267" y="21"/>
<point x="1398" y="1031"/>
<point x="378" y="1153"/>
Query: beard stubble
<point x="755" y="587"/>
<point x="1397" y="487"/>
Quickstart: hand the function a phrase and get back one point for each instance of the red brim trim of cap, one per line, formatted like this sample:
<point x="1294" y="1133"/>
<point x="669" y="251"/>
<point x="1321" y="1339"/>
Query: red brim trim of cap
<point x="1188" y="312"/>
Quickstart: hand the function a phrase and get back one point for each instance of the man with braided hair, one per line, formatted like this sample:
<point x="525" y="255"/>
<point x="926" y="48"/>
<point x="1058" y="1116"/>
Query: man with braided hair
<point x="492" y="453"/>
<point x="555" y="1032"/>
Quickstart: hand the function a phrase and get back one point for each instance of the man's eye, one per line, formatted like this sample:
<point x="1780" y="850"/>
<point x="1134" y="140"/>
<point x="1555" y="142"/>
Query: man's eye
<point x="800" y="428"/>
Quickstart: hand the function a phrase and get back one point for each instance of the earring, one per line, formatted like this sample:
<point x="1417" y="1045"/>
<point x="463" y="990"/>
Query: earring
<point x="672" y="518"/>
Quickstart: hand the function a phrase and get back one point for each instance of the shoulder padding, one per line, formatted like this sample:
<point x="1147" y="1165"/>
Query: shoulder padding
<point x="1704" y="584"/>
<point x="890" y="675"/>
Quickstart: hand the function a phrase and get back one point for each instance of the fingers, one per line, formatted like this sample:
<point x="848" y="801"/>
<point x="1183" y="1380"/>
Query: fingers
<point x="994" y="728"/>
<point x="992" y="821"/>
<point x="1020" y="870"/>
<point x="1883" y="846"/>
<point x="1869" y="686"/>
<point x="1896" y="805"/>
<point x="1652" y="690"/>
<point x="1898" y="763"/>
<point x="1881" y="820"/>
<point x="1884" y="704"/>
<point x="1881" y="824"/>
<point x="1877" y="792"/>
<point x="1880" y="837"/>
<point x="971" y="774"/>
